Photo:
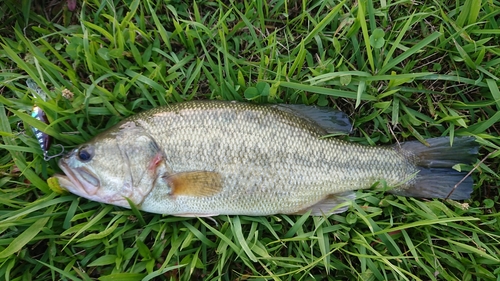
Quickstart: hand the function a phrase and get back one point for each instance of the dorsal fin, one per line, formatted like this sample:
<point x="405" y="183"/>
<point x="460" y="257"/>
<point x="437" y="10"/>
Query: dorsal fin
<point x="331" y="120"/>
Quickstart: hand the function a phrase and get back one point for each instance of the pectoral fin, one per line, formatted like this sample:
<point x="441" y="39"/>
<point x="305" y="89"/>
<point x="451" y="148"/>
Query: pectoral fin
<point x="195" y="183"/>
<point x="328" y="205"/>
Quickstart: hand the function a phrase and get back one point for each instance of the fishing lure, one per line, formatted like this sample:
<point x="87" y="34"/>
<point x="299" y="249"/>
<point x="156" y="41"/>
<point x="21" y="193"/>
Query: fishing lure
<point x="43" y="139"/>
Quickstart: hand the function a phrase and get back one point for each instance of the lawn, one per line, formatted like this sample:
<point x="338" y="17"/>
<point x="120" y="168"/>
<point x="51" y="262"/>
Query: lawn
<point x="402" y="70"/>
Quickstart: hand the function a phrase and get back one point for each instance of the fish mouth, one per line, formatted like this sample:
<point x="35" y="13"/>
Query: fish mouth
<point x="79" y="181"/>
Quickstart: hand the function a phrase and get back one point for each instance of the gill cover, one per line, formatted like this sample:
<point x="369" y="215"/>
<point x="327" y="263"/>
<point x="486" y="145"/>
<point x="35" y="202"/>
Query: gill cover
<point x="143" y="159"/>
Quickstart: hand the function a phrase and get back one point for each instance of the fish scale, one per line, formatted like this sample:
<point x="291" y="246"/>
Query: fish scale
<point x="210" y="157"/>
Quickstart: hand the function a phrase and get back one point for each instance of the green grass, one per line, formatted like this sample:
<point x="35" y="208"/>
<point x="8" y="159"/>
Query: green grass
<point x="400" y="69"/>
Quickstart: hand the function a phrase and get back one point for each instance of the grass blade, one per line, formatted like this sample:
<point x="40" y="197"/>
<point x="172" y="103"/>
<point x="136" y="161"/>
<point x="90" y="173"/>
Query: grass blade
<point x="325" y="91"/>
<point x="495" y="92"/>
<point x="24" y="238"/>
<point x="413" y="50"/>
<point x="323" y="23"/>
<point x="366" y="37"/>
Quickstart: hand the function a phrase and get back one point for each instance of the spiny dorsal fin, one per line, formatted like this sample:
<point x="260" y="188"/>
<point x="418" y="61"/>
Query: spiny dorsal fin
<point x="195" y="183"/>
<point x="331" y="120"/>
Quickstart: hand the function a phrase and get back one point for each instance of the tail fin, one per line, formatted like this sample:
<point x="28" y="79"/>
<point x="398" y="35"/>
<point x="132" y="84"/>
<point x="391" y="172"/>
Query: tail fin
<point x="436" y="177"/>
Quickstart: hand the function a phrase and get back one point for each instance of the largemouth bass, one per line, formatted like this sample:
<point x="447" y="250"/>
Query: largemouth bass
<point x="208" y="158"/>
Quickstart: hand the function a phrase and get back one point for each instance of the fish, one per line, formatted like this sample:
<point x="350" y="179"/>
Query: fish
<point x="210" y="158"/>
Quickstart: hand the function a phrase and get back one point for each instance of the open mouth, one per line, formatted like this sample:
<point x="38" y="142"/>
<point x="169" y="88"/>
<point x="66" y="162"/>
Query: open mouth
<point x="78" y="180"/>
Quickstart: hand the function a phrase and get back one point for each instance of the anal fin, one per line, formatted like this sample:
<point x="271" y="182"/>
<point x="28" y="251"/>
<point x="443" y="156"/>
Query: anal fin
<point x="195" y="183"/>
<point x="329" y="205"/>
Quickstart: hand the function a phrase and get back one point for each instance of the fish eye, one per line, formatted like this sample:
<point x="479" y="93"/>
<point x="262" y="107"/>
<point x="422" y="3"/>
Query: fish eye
<point x="85" y="153"/>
